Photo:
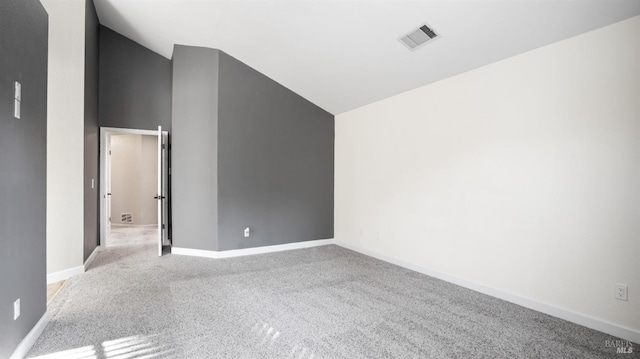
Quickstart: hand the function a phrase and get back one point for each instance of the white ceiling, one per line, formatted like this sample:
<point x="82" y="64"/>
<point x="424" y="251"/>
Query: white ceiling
<point x="341" y="55"/>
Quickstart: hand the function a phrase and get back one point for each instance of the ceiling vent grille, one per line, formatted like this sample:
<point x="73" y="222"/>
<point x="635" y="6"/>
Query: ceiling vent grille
<point x="418" y="37"/>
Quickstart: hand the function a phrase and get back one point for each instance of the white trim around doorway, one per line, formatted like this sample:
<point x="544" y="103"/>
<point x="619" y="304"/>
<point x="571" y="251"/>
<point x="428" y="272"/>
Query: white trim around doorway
<point x="104" y="132"/>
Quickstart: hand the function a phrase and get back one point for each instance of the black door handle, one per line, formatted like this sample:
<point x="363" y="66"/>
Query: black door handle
<point x="158" y="197"/>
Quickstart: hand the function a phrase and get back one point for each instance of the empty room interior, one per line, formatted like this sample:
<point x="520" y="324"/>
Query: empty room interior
<point x="319" y="179"/>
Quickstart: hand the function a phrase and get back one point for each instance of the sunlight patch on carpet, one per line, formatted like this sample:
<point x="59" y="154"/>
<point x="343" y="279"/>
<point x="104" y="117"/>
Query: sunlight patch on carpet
<point x="132" y="347"/>
<point x="87" y="352"/>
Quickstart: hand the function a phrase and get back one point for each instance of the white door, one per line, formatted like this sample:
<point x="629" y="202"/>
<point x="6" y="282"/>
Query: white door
<point x="165" y="188"/>
<point x="107" y="196"/>
<point x="160" y="195"/>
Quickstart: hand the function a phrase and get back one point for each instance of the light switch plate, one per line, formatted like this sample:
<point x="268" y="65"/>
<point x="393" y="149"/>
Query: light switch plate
<point x="18" y="93"/>
<point x="16" y="309"/>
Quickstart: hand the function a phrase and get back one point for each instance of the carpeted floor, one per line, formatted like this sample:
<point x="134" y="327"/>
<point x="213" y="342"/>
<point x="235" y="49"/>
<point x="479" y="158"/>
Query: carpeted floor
<point x="323" y="302"/>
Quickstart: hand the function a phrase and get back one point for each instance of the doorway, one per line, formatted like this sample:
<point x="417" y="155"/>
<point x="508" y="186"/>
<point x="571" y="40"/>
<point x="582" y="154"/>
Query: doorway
<point x="134" y="182"/>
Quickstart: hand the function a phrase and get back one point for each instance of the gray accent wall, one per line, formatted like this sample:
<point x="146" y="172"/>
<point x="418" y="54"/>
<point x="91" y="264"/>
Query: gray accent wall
<point x="194" y="148"/>
<point x="134" y="84"/>
<point x="91" y="164"/>
<point x="134" y="89"/>
<point x="23" y="145"/>
<point x="246" y="152"/>
<point x="275" y="162"/>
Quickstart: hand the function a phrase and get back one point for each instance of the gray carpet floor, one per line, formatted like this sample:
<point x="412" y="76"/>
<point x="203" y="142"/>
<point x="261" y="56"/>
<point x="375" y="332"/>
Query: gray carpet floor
<point x="323" y="302"/>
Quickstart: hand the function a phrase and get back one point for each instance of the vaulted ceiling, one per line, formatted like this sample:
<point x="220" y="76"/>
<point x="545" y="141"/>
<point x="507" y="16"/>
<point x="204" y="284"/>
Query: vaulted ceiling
<point x="341" y="55"/>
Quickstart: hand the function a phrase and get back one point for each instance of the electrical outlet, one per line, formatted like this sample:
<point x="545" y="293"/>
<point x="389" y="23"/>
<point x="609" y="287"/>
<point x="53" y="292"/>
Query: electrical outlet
<point x="621" y="291"/>
<point x="247" y="232"/>
<point x="16" y="309"/>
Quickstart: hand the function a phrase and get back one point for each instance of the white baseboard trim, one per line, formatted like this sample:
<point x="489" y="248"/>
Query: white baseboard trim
<point x="68" y="273"/>
<point x="64" y="274"/>
<point x="555" y="311"/>
<point x="250" y="251"/>
<point x="194" y="252"/>
<point x="27" y="343"/>
<point x="87" y="263"/>
<point x="127" y="225"/>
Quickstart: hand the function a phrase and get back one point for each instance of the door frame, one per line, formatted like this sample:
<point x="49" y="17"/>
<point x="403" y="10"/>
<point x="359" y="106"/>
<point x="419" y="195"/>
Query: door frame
<point x="104" y="133"/>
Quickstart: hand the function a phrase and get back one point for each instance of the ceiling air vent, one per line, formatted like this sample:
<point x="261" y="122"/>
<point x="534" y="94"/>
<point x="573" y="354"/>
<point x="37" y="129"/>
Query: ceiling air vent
<point x="418" y="37"/>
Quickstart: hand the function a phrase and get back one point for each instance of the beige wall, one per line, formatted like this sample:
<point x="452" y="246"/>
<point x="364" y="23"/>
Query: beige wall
<point x="522" y="176"/>
<point x="134" y="171"/>
<point x="65" y="135"/>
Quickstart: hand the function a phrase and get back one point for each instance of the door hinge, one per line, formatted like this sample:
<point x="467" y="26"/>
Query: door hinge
<point x="163" y="146"/>
<point x="163" y="226"/>
<point x="109" y="152"/>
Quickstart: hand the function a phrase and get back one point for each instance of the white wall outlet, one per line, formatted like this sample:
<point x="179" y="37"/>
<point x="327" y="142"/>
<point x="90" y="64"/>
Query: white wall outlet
<point x="16" y="309"/>
<point x="247" y="232"/>
<point x="621" y="291"/>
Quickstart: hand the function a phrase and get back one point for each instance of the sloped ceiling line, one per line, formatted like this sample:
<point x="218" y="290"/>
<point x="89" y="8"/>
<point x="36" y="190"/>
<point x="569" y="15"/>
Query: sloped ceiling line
<point x="342" y="55"/>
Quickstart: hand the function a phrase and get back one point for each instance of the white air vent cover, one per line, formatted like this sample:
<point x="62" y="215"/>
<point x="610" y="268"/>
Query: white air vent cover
<point x="418" y="37"/>
<point x="126" y="218"/>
